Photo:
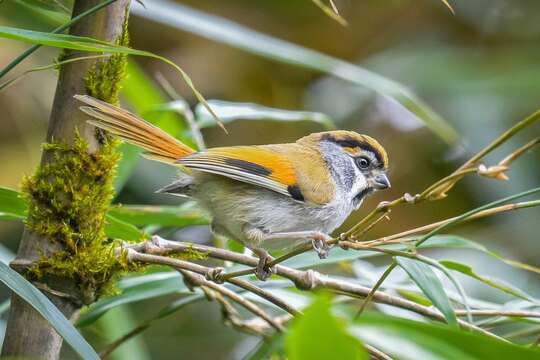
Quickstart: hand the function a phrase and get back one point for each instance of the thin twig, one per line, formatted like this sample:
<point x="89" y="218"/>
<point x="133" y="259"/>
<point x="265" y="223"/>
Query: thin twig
<point x="375" y="288"/>
<point x="396" y="238"/>
<point x="519" y="152"/>
<point x="246" y="285"/>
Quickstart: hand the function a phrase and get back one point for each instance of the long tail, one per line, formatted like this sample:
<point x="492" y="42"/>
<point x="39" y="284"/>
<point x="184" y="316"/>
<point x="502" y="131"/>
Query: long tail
<point x="159" y="145"/>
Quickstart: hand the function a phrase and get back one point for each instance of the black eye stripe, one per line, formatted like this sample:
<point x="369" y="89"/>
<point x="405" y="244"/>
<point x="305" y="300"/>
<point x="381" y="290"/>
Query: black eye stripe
<point x="353" y="143"/>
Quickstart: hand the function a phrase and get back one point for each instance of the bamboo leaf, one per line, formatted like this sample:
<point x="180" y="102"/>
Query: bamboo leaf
<point x="493" y="282"/>
<point x="46" y="308"/>
<point x="12" y="206"/>
<point x="228" y="32"/>
<point x="146" y="287"/>
<point x="412" y="340"/>
<point x="231" y="111"/>
<point x="430" y="285"/>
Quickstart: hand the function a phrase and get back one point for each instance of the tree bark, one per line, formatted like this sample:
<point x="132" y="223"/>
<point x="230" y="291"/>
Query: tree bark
<point x="28" y="334"/>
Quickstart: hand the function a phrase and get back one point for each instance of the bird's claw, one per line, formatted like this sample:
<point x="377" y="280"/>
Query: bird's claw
<point x="263" y="271"/>
<point x="320" y="245"/>
<point x="215" y="275"/>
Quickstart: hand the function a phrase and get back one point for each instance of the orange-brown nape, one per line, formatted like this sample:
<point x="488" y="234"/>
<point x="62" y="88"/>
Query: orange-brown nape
<point x="352" y="142"/>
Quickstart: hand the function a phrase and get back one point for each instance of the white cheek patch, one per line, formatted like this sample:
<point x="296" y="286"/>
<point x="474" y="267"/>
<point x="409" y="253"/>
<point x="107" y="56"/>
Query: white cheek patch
<point x="360" y="183"/>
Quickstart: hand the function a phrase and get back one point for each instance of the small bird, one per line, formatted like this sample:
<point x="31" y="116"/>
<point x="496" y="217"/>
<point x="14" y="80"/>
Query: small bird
<point x="267" y="197"/>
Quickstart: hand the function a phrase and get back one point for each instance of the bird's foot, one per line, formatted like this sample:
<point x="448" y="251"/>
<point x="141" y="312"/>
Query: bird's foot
<point x="215" y="275"/>
<point x="320" y="241"/>
<point x="263" y="271"/>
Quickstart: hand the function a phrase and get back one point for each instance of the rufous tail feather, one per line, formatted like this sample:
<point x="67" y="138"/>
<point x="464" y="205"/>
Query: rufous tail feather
<point x="159" y="145"/>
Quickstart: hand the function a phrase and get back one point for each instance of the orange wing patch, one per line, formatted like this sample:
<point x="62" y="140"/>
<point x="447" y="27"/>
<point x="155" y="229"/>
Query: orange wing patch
<point x="257" y="165"/>
<point x="279" y="167"/>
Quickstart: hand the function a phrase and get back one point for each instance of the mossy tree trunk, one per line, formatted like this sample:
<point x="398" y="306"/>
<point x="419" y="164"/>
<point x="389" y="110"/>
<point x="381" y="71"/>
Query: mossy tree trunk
<point x="75" y="206"/>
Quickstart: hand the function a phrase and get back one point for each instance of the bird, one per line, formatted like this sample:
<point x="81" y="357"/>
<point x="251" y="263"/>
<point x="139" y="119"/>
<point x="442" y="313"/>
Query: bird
<point x="267" y="197"/>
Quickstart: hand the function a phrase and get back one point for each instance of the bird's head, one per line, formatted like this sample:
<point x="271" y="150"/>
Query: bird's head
<point x="358" y="163"/>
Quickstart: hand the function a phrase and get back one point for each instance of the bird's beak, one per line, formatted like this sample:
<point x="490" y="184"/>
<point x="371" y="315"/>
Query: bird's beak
<point x="381" y="182"/>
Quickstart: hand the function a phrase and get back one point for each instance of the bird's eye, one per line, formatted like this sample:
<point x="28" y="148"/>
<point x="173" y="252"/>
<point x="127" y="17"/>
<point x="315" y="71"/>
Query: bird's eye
<point x="363" y="162"/>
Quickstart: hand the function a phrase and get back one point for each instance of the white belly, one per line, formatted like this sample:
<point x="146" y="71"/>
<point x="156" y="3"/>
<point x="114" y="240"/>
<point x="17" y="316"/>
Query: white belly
<point x="236" y="207"/>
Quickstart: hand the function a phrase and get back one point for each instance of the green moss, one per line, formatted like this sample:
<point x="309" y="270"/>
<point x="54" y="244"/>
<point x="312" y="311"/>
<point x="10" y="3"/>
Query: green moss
<point x="69" y="198"/>
<point x="104" y="77"/>
<point x="189" y="254"/>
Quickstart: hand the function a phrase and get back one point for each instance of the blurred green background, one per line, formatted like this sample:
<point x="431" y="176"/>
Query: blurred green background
<point x="478" y="69"/>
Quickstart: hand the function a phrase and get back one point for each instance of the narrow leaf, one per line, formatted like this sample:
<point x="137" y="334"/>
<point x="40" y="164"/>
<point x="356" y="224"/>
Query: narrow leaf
<point x="142" y="215"/>
<point x="430" y="285"/>
<point x="146" y="287"/>
<point x="46" y="308"/>
<point x="12" y="206"/>
<point x="231" y="111"/>
<point x="412" y="340"/>
<point x="493" y="282"/>
<point x="455" y="241"/>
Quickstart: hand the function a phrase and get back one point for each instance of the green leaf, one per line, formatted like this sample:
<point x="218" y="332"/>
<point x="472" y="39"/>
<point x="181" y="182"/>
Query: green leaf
<point x="186" y="214"/>
<point x="319" y="335"/>
<point x="82" y="43"/>
<point x="136" y="289"/>
<point x="46" y="308"/>
<point x="493" y="282"/>
<point x="411" y="340"/>
<point x="46" y="11"/>
<point x="118" y="229"/>
<point x="225" y="31"/>
<point x="12" y="206"/>
<point x="231" y="111"/>
<point x="429" y="283"/>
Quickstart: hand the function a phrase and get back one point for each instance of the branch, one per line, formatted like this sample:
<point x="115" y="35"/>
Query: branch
<point x="198" y="280"/>
<point x="303" y="280"/>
